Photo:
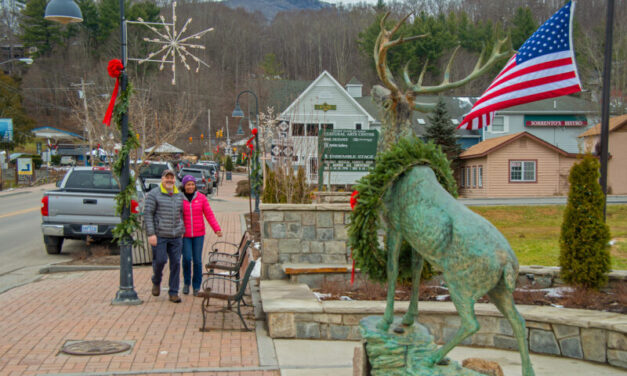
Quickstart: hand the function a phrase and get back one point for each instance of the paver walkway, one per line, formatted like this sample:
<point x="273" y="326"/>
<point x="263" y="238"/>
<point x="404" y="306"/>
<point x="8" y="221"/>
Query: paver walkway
<point x="36" y="320"/>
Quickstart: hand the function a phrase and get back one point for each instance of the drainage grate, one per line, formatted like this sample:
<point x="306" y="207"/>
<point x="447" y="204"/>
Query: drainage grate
<point x="95" y="348"/>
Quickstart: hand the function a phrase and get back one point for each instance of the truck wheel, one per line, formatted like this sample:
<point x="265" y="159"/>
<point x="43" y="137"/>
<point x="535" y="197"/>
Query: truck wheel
<point x="53" y="244"/>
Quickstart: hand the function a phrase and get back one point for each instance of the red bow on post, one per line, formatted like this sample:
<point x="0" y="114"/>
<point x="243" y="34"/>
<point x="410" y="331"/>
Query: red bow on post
<point x="353" y="202"/>
<point x="115" y="69"/>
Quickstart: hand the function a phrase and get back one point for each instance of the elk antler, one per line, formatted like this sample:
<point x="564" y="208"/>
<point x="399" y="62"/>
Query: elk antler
<point x="381" y="47"/>
<point x="480" y="68"/>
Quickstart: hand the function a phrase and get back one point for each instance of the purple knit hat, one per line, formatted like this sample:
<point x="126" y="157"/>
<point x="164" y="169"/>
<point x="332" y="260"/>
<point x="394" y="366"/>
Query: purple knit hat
<point x="188" y="178"/>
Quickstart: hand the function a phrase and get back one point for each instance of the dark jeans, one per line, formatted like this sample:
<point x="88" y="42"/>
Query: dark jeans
<point x="192" y="251"/>
<point x="167" y="248"/>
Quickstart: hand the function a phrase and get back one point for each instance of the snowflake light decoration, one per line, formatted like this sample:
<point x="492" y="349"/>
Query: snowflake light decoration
<point x="172" y="43"/>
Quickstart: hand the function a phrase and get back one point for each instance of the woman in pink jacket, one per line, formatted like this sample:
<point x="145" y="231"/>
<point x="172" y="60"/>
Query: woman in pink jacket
<point x="195" y="205"/>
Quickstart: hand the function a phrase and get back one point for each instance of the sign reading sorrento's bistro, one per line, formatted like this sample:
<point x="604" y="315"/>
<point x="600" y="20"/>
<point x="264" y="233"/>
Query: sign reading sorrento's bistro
<point x="555" y="121"/>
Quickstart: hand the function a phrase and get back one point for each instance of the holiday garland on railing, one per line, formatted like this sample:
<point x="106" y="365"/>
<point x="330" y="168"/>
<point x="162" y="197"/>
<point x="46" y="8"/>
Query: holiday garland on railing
<point x="365" y="219"/>
<point x="127" y="227"/>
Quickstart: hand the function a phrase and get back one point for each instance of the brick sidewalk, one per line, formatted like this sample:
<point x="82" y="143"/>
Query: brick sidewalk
<point x="36" y="320"/>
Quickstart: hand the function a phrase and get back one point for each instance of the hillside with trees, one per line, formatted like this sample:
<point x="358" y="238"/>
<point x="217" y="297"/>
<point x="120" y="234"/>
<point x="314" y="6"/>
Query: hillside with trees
<point x="247" y="51"/>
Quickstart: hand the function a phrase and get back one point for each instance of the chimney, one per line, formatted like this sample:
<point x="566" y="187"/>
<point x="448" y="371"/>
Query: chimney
<point x="354" y="88"/>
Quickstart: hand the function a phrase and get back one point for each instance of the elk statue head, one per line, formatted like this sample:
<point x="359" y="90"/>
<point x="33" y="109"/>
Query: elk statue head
<point x="398" y="103"/>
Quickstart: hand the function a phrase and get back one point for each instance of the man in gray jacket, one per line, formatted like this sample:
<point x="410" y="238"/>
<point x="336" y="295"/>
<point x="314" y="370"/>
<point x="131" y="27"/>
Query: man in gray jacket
<point x="163" y="215"/>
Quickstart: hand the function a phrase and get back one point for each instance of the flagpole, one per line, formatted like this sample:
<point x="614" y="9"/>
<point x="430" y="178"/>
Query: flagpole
<point x="605" y="100"/>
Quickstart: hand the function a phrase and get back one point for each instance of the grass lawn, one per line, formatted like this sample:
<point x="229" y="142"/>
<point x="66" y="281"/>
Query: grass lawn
<point x="534" y="231"/>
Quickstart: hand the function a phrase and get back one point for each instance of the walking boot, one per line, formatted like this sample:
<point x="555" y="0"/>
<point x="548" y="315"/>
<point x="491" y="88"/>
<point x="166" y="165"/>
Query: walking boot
<point x="156" y="289"/>
<point x="186" y="289"/>
<point x="175" y="299"/>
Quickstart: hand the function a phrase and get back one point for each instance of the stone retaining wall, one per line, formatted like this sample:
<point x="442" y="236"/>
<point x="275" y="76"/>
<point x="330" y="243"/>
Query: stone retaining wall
<point x="293" y="312"/>
<point x="300" y="233"/>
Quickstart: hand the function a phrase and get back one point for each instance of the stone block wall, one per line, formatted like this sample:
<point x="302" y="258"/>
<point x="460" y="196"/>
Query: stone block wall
<point x="300" y="233"/>
<point x="573" y="333"/>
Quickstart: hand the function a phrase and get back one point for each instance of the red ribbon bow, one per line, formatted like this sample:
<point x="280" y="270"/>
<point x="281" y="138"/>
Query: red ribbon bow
<point x="115" y="69"/>
<point x="353" y="202"/>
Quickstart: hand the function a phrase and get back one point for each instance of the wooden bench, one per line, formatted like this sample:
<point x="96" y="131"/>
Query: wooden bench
<point x="229" y="288"/>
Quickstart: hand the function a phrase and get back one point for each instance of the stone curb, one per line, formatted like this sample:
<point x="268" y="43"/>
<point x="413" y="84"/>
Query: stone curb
<point x="75" y="268"/>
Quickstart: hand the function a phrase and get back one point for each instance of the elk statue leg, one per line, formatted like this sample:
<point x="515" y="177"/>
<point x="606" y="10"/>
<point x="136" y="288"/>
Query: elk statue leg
<point x="469" y="325"/>
<point x="393" y="248"/>
<point x="417" y="263"/>
<point x="501" y="297"/>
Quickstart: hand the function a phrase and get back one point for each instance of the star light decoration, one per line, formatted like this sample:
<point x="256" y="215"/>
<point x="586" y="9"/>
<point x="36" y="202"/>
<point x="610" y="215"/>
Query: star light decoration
<point x="172" y="43"/>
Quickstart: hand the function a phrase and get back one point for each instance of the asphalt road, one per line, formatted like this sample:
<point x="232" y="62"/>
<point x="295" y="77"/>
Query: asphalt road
<point x="22" y="251"/>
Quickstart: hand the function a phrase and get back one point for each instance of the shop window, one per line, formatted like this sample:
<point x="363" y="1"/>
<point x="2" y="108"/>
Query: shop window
<point x="498" y="124"/>
<point x="298" y="129"/>
<point x="312" y="129"/>
<point x="474" y="177"/>
<point x="468" y="177"/>
<point x="480" y="177"/>
<point x="461" y="177"/>
<point x="522" y="171"/>
<point x="326" y="126"/>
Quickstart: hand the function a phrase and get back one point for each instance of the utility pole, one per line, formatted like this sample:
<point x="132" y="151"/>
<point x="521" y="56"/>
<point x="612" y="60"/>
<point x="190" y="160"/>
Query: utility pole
<point x="209" y="130"/>
<point x="87" y="128"/>
<point x="228" y="139"/>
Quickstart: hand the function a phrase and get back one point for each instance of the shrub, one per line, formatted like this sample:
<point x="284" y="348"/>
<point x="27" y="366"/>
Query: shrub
<point x="228" y="164"/>
<point x="584" y="253"/>
<point x="55" y="160"/>
<point x="283" y="186"/>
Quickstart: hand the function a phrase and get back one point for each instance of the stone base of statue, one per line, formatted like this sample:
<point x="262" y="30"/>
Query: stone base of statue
<point x="403" y="354"/>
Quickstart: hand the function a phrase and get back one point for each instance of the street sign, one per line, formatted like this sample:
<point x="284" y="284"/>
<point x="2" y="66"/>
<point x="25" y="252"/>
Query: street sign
<point x="348" y="144"/>
<point x="6" y="130"/>
<point x="346" y="150"/>
<point x="24" y="166"/>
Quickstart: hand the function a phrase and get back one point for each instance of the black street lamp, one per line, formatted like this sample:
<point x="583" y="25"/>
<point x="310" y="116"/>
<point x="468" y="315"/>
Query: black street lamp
<point x="238" y="113"/>
<point x="66" y="11"/>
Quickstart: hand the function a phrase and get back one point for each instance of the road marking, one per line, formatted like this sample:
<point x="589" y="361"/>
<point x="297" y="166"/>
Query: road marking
<point x="20" y="212"/>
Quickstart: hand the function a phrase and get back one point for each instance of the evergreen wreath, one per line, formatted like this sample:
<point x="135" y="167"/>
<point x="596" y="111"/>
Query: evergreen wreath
<point x="130" y="225"/>
<point x="365" y="219"/>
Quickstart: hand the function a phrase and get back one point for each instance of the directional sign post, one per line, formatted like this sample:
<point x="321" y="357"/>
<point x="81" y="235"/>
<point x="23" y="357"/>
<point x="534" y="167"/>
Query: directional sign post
<point x="346" y="150"/>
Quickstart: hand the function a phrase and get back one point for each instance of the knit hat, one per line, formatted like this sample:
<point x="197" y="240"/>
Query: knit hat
<point x="188" y="178"/>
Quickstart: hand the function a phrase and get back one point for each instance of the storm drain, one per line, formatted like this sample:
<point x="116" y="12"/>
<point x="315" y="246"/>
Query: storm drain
<point x="95" y="347"/>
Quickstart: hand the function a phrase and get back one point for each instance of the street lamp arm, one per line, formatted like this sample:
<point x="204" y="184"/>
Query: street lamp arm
<point x="25" y="60"/>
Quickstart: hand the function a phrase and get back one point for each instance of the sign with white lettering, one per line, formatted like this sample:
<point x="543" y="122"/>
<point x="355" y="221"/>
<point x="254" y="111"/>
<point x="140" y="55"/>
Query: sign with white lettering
<point x="555" y="121"/>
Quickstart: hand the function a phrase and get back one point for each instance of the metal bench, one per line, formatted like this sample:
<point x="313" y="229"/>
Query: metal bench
<point x="227" y="288"/>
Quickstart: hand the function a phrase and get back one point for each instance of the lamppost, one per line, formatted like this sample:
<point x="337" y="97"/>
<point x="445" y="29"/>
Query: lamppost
<point x="238" y="113"/>
<point x="66" y="11"/>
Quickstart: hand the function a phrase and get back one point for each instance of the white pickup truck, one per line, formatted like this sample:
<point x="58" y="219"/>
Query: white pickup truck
<point x="84" y="205"/>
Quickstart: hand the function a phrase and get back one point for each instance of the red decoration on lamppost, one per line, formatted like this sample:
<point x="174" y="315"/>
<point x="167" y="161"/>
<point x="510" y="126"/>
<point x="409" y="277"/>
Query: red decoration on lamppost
<point x="115" y="69"/>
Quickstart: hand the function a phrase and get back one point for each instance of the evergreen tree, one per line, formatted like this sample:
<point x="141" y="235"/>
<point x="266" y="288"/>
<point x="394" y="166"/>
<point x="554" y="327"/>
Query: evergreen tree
<point x="442" y="132"/>
<point x="270" y="66"/>
<point x="584" y="255"/>
<point x="36" y="31"/>
<point x="11" y="108"/>
<point x="523" y="26"/>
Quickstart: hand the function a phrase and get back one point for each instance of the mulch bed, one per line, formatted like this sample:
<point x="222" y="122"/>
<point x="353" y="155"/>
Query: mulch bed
<point x="610" y="299"/>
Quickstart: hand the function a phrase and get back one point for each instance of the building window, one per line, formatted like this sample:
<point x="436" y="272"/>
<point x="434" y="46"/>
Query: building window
<point x="522" y="171"/>
<point x="312" y="129"/>
<point x="480" y="177"/>
<point x="326" y="126"/>
<point x="468" y="177"/>
<point x="357" y="126"/>
<point x="474" y="176"/>
<point x="461" y="177"/>
<point x="498" y="124"/>
<point x="298" y="129"/>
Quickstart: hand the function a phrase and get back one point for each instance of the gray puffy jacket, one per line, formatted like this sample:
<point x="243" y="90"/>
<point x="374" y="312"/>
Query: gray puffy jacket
<point x="163" y="213"/>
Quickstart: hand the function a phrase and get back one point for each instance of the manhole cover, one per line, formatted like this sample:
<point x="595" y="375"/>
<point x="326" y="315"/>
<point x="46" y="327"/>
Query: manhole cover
<point x="95" y="347"/>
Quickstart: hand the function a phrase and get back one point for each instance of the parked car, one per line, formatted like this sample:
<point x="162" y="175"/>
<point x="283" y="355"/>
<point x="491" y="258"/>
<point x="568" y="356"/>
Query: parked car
<point x="83" y="205"/>
<point x="212" y="171"/>
<point x="203" y="180"/>
<point x="150" y="173"/>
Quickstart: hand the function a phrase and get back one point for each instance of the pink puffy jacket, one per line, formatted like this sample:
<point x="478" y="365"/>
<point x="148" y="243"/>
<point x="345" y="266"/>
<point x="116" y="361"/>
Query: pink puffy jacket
<point x="193" y="216"/>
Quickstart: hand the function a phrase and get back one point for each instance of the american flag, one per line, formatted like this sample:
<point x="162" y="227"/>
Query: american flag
<point x="544" y="67"/>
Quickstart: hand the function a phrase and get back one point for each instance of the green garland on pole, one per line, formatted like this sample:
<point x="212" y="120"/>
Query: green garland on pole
<point x="131" y="225"/>
<point x="365" y="224"/>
